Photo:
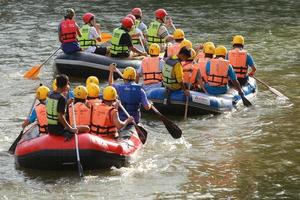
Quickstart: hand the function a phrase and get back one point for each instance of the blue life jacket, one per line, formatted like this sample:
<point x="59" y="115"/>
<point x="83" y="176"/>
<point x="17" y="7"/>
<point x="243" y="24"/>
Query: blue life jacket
<point x="130" y="96"/>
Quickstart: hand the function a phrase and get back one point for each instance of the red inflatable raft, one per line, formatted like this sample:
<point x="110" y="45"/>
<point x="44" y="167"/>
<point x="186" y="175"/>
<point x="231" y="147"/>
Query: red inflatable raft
<point x="96" y="152"/>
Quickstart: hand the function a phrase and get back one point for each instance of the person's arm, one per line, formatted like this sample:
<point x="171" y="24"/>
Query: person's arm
<point x="139" y="73"/>
<point x="147" y="105"/>
<point x="61" y="115"/>
<point x="234" y="81"/>
<point x="112" y="69"/>
<point x="178" y="72"/>
<point x="118" y="123"/>
<point x="199" y="81"/>
<point x="136" y="50"/>
<point x="30" y="119"/>
<point x="78" y="31"/>
<point x="164" y="33"/>
<point x="251" y="64"/>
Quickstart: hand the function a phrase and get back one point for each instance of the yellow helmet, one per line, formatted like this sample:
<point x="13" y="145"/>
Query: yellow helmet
<point x="80" y="92"/>
<point x="221" y="51"/>
<point x="178" y="34"/>
<point x="186" y="43"/>
<point x="208" y="43"/>
<point x="42" y="92"/>
<point x="129" y="73"/>
<point x="193" y="54"/>
<point x="92" y="79"/>
<point x="54" y="87"/>
<point x="93" y="90"/>
<point x="109" y="93"/>
<point x="154" y="49"/>
<point x="238" y="39"/>
<point x="209" y="49"/>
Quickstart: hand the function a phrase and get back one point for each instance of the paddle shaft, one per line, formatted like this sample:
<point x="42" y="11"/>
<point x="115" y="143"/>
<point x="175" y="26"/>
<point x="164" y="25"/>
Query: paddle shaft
<point x="76" y="144"/>
<point x="14" y="144"/>
<point x="50" y="56"/>
<point x="142" y="44"/>
<point x="127" y="114"/>
<point x="273" y="90"/>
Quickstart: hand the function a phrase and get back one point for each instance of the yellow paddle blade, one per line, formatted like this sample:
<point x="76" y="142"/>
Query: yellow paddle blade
<point x="33" y="72"/>
<point x="105" y="37"/>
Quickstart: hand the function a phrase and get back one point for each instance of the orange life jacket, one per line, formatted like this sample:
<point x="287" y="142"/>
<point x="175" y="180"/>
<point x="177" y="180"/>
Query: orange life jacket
<point x="200" y="55"/>
<point x="151" y="70"/>
<point x="238" y="60"/>
<point x="202" y="66"/>
<point x="101" y="121"/>
<point x="68" y="30"/>
<point x="82" y="114"/>
<point x="41" y="115"/>
<point x="218" y="74"/>
<point x="93" y="101"/>
<point x="190" y="70"/>
<point x="173" y="50"/>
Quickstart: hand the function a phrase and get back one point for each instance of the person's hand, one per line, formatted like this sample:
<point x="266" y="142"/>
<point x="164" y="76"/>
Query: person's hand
<point x="116" y="104"/>
<point x="69" y="101"/>
<point x="200" y="47"/>
<point x="251" y="73"/>
<point x="241" y="94"/>
<point x="144" y="54"/>
<point x="130" y="120"/>
<point x="25" y="123"/>
<point x="187" y="93"/>
<point x="74" y="130"/>
<point x="169" y="22"/>
<point x="112" y="67"/>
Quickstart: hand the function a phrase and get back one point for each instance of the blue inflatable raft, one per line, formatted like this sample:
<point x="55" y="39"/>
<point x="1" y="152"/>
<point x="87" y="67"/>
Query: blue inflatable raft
<point x="201" y="103"/>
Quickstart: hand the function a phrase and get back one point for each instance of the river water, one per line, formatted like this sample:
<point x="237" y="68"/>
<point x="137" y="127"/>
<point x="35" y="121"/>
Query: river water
<point x="252" y="153"/>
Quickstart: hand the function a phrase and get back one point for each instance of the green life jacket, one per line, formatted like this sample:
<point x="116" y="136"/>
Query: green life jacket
<point x="116" y="48"/>
<point x="51" y="108"/>
<point x="168" y="78"/>
<point x="131" y="32"/>
<point x="153" y="36"/>
<point x="84" y="40"/>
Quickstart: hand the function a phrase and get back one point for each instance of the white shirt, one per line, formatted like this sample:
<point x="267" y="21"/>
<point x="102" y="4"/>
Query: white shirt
<point x="92" y="35"/>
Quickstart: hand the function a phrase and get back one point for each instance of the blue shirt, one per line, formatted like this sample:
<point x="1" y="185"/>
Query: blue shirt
<point x="144" y="99"/>
<point x="32" y="116"/>
<point x="219" y="89"/>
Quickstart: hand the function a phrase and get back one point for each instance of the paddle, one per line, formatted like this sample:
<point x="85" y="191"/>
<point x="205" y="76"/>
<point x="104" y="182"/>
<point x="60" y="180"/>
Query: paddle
<point x="186" y="104"/>
<point x="172" y="128"/>
<point x="35" y="70"/>
<point x="80" y="169"/>
<point x="246" y="102"/>
<point x="105" y="37"/>
<point x="12" y="148"/>
<point x="140" y="130"/>
<point x="273" y="90"/>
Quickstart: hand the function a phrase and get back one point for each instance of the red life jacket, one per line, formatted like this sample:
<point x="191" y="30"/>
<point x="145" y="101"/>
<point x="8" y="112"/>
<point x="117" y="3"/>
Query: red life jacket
<point x="202" y="66"/>
<point x="82" y="114"/>
<point x="41" y="115"/>
<point x="101" y="121"/>
<point x="190" y="71"/>
<point x="68" y="31"/>
<point x="218" y="74"/>
<point x="238" y="60"/>
<point x="151" y="70"/>
<point x="200" y="55"/>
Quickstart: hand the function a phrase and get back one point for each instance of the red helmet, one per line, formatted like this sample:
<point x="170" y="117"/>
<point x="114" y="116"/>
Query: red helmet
<point x="131" y="17"/>
<point x="127" y="22"/>
<point x="137" y="12"/>
<point x="160" y="13"/>
<point x="87" y="17"/>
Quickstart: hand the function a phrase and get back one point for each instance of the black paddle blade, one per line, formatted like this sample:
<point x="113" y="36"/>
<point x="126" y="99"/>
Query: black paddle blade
<point x="172" y="128"/>
<point x="142" y="133"/>
<point x="246" y="102"/>
<point x="12" y="148"/>
<point x="80" y="169"/>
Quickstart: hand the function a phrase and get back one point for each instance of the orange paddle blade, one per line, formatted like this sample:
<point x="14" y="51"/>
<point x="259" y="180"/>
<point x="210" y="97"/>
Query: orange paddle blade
<point x="33" y="72"/>
<point x="105" y="37"/>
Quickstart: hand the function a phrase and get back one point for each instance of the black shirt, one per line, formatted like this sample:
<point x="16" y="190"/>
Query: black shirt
<point x="61" y="108"/>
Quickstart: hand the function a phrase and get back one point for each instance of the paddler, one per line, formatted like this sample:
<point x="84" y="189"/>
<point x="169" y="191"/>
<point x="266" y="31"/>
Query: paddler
<point x="121" y="43"/>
